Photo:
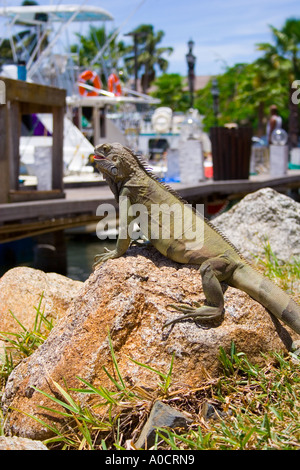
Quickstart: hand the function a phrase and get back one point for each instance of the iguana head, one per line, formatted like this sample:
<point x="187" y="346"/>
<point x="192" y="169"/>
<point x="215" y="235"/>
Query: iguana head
<point x="113" y="160"/>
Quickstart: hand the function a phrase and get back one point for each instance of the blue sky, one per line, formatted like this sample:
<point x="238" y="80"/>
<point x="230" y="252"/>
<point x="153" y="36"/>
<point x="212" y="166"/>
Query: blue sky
<point x="224" y="32"/>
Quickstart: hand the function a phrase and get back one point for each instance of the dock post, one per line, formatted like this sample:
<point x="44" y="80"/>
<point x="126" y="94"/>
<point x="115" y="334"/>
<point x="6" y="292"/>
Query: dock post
<point x="57" y="148"/>
<point x="23" y="98"/>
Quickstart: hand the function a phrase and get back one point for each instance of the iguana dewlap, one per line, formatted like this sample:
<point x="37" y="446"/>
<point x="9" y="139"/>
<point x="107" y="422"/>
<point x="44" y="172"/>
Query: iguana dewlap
<point x="218" y="260"/>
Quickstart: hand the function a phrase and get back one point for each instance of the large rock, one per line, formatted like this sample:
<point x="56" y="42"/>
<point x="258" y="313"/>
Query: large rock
<point x="20" y="443"/>
<point x="264" y="214"/>
<point x="129" y="296"/>
<point x="20" y="293"/>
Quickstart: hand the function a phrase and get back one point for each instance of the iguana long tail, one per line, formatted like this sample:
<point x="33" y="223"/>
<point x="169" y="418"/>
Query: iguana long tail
<point x="260" y="288"/>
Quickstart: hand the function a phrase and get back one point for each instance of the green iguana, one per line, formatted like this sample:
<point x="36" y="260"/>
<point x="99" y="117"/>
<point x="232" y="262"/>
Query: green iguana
<point x="218" y="260"/>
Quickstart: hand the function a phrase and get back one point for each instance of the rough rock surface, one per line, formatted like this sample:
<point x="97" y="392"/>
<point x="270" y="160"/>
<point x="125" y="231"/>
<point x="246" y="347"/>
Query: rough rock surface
<point x="21" y="290"/>
<point x="20" y="443"/>
<point x="129" y="296"/>
<point x="161" y="416"/>
<point x="260" y="215"/>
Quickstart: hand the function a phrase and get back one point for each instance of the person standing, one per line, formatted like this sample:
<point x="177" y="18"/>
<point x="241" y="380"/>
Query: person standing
<point x="274" y="122"/>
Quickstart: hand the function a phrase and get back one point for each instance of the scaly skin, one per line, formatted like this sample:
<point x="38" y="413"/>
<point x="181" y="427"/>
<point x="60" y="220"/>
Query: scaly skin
<point x="218" y="260"/>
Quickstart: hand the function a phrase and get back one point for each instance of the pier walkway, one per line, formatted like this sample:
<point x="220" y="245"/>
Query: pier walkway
<point x="78" y="208"/>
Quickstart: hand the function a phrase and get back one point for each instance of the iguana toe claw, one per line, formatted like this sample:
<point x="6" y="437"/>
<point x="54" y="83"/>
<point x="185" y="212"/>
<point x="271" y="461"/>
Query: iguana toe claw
<point x="185" y="308"/>
<point x="109" y="254"/>
<point x="197" y="313"/>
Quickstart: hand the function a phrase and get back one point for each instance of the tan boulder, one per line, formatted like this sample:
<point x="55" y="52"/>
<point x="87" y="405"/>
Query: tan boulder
<point x="20" y="443"/>
<point x="129" y="296"/>
<point x="20" y="293"/>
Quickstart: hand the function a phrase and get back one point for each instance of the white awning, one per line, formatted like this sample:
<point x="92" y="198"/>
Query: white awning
<point x="56" y="13"/>
<point x="101" y="101"/>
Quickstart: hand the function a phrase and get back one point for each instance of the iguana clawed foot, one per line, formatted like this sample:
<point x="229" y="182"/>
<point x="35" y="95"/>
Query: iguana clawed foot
<point x="197" y="312"/>
<point x="109" y="254"/>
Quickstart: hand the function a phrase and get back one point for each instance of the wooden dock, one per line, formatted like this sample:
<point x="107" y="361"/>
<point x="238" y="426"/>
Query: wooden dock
<point x="22" y="219"/>
<point x="24" y="98"/>
<point x="27" y="213"/>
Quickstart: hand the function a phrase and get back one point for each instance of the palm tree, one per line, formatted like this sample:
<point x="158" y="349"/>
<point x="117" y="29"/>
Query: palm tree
<point x="263" y="84"/>
<point x="285" y="53"/>
<point x="24" y="42"/>
<point x="90" y="45"/>
<point x="149" y="55"/>
<point x="239" y="99"/>
<point x="170" y="88"/>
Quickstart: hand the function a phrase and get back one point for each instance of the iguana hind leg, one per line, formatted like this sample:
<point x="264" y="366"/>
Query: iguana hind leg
<point x="213" y="292"/>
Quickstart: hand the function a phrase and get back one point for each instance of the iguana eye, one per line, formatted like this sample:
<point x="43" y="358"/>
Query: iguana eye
<point x="114" y="158"/>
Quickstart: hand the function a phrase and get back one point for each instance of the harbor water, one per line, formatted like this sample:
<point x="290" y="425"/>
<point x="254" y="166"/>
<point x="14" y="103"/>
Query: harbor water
<point x="74" y="257"/>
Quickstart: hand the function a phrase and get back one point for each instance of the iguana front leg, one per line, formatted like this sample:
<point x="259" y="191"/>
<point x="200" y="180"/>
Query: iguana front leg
<point x="120" y="249"/>
<point x="212" y="271"/>
<point x="124" y="239"/>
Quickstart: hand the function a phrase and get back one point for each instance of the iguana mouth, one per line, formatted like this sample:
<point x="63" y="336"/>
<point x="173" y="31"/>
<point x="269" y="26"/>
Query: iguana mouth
<point x="104" y="164"/>
<point x="99" y="156"/>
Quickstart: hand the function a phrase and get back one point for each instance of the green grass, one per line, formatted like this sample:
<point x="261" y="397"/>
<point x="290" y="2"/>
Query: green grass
<point x="23" y="343"/>
<point x="125" y="409"/>
<point x="253" y="407"/>
<point x="285" y="274"/>
<point x="258" y="407"/>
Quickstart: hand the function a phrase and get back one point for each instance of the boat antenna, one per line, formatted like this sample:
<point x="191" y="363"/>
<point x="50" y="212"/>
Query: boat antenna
<point x="47" y="50"/>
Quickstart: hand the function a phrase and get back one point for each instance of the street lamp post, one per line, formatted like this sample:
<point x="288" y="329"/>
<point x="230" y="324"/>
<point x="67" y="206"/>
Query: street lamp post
<point x="215" y="94"/>
<point x="191" y="60"/>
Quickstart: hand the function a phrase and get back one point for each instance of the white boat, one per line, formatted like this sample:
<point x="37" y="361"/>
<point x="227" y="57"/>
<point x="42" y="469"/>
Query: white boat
<point x="94" y="115"/>
<point x="51" y="67"/>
